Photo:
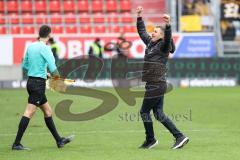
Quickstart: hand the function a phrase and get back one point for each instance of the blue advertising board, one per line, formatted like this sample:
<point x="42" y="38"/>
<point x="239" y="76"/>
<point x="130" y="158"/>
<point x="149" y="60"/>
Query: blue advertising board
<point x="195" y="45"/>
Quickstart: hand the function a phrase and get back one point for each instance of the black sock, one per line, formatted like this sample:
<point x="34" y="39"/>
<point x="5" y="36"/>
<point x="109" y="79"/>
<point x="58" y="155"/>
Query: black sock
<point x="51" y="126"/>
<point x="21" y="129"/>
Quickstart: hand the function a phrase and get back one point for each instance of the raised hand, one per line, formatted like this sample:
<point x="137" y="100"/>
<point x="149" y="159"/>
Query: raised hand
<point x="167" y="19"/>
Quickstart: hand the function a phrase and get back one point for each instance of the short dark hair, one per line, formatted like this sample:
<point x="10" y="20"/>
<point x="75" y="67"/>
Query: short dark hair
<point x="44" y="31"/>
<point x="97" y="40"/>
<point x="51" y="40"/>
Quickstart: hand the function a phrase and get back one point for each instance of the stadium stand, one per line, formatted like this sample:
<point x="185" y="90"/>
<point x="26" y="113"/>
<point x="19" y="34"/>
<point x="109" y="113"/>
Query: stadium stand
<point x="40" y="6"/>
<point x="68" y="6"/>
<point x="2" y="20"/>
<point x="2" y="30"/>
<point x="111" y="6"/>
<point x="67" y="16"/>
<point x="15" y="30"/>
<point x="26" y="6"/>
<point x="82" y="6"/>
<point x="57" y="29"/>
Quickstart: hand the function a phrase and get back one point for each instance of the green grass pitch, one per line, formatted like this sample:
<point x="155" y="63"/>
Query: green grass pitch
<point x="209" y="116"/>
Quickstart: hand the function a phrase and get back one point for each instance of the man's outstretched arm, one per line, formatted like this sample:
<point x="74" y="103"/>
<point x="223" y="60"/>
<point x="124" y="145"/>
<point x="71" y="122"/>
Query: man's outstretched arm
<point x="141" y="27"/>
<point x="167" y="34"/>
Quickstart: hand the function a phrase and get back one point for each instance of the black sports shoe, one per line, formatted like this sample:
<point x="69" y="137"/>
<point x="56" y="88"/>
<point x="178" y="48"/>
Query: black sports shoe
<point x="19" y="147"/>
<point x="149" y="144"/>
<point x="180" y="142"/>
<point x="64" y="141"/>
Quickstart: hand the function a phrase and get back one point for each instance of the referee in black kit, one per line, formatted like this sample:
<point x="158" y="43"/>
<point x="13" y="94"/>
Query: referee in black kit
<point x="37" y="59"/>
<point x="158" y="47"/>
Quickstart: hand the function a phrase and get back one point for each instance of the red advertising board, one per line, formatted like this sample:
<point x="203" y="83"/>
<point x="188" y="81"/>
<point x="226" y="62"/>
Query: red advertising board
<point x="72" y="47"/>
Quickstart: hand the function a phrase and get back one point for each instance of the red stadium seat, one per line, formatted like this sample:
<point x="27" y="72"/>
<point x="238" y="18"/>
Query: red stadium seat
<point x="83" y="6"/>
<point x="3" y="30"/>
<point x="55" y="18"/>
<point x="111" y="6"/>
<point x="114" y="29"/>
<point x="54" y="6"/>
<point x="125" y="5"/>
<point x="85" y="29"/>
<point x="26" y="6"/>
<point x="13" y="18"/>
<point x="2" y="19"/>
<point x="71" y="29"/>
<point x="126" y="17"/>
<point x="40" y="6"/>
<point x="84" y="18"/>
<point x="98" y="18"/>
<point x="41" y="18"/>
<point x="113" y="18"/>
<point x="27" y="18"/>
<point x="57" y="29"/>
<point x="15" y="30"/>
<point x="12" y="6"/>
<point x="97" y="6"/>
<point x="68" y="6"/>
<point x="2" y="6"/>
<point x="99" y="29"/>
<point x="28" y="30"/>
<point x="70" y="18"/>
<point x="130" y="29"/>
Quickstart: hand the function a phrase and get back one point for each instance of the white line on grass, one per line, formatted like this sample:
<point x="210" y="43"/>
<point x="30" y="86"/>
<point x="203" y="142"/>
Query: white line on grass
<point x="112" y="132"/>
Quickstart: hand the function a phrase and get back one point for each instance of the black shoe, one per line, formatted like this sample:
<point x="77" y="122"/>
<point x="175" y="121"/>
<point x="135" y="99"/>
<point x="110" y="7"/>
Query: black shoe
<point x="149" y="144"/>
<point x="64" y="141"/>
<point x="19" y="147"/>
<point x="180" y="142"/>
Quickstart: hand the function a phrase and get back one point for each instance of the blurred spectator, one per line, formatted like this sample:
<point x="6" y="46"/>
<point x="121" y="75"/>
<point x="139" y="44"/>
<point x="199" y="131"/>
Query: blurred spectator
<point x="201" y="8"/>
<point x="187" y="7"/>
<point x="198" y="8"/>
<point x="96" y="49"/>
<point x="55" y="49"/>
<point x="237" y="26"/>
<point x="228" y="31"/>
<point x="195" y="7"/>
<point x="121" y="45"/>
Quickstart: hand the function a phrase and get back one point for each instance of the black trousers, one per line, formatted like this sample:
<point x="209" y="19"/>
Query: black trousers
<point x="153" y="100"/>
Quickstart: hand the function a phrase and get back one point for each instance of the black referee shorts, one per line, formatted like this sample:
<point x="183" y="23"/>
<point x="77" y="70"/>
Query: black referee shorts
<point x="36" y="91"/>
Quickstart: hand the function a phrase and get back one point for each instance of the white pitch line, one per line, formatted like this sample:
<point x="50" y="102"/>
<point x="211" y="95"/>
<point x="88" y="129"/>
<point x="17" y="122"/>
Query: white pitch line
<point x="111" y="131"/>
